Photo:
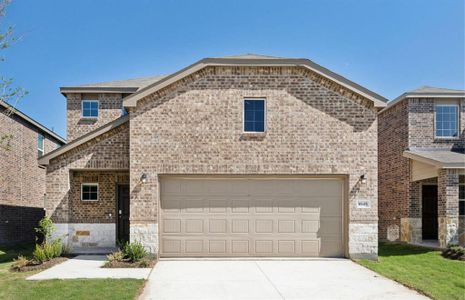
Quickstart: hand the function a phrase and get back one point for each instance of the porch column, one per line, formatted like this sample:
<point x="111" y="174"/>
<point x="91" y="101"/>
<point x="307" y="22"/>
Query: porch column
<point x="448" y="206"/>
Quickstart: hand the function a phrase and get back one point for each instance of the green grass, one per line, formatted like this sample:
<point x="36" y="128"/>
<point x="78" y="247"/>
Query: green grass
<point x="14" y="286"/>
<point x="422" y="269"/>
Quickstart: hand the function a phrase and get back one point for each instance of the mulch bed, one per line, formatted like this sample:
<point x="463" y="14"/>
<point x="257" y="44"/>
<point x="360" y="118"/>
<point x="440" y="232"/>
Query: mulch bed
<point x="127" y="264"/>
<point x="34" y="266"/>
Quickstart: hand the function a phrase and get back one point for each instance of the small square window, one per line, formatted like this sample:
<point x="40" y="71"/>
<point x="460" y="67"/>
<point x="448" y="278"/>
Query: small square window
<point x="89" y="192"/>
<point x="89" y="108"/>
<point x="254" y="115"/>
<point x="40" y="145"/>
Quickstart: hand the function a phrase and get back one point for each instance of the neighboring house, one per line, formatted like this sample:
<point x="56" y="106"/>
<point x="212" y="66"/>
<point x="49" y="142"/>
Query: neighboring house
<point x="235" y="156"/>
<point x="421" y="138"/>
<point x="22" y="179"/>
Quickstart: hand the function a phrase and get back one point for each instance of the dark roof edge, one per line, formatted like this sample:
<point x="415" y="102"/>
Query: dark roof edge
<point x="422" y="95"/>
<point x="378" y="100"/>
<point x="81" y="89"/>
<point x="33" y="122"/>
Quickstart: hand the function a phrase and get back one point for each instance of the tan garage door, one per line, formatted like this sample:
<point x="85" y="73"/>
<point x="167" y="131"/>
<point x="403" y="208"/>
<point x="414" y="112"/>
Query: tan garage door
<point x="225" y="217"/>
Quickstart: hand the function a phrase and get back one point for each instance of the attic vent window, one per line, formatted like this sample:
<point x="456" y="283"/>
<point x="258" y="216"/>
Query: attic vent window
<point x="90" y="108"/>
<point x="254" y="115"/>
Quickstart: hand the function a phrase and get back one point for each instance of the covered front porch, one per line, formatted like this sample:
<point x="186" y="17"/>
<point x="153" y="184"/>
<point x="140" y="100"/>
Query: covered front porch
<point x="436" y="211"/>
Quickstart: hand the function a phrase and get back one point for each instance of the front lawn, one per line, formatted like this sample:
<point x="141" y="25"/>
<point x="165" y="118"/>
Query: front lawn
<point x="422" y="269"/>
<point x="14" y="286"/>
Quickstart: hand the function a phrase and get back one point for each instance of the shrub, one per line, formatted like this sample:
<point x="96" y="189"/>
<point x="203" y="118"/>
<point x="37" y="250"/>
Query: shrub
<point x="52" y="250"/>
<point x="39" y="254"/>
<point x="115" y="256"/>
<point x="19" y="263"/>
<point x="46" y="228"/>
<point x="134" y="251"/>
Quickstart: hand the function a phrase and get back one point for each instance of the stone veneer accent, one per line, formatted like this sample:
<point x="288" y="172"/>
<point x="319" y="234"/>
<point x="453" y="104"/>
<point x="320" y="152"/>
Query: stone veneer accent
<point x="195" y="127"/>
<point x="86" y="235"/>
<point x="145" y="233"/>
<point x="448" y="207"/>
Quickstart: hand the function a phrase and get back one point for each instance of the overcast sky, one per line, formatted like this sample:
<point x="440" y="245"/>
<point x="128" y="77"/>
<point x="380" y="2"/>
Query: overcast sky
<point x="387" y="46"/>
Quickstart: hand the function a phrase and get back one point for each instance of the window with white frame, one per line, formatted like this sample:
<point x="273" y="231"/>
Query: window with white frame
<point x="462" y="199"/>
<point x="89" y="192"/>
<point x="254" y="115"/>
<point x="447" y="120"/>
<point x="40" y="145"/>
<point x="89" y="108"/>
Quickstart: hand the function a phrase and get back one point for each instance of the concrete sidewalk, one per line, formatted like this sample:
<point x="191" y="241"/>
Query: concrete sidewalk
<point x="267" y="280"/>
<point x="89" y="266"/>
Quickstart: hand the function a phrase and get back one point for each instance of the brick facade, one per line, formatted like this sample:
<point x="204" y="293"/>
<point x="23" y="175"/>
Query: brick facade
<point x="22" y="180"/>
<point x="109" y="151"/>
<point x="195" y="127"/>
<point x="408" y="124"/>
<point x="110" y="108"/>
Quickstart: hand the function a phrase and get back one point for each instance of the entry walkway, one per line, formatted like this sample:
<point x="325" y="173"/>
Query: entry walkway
<point x="89" y="266"/>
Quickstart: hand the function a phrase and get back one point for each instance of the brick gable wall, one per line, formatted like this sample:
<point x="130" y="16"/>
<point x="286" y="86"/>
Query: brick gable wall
<point x="107" y="152"/>
<point x="195" y="127"/>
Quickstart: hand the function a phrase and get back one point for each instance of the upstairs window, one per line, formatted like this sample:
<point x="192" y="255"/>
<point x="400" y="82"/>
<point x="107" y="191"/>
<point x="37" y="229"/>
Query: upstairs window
<point x="89" y="192"/>
<point x="89" y="108"/>
<point x="40" y="145"/>
<point x="254" y="115"/>
<point x="447" y="120"/>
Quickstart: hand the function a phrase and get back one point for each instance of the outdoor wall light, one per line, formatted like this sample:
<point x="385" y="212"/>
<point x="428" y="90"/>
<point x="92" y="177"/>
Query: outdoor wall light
<point x="363" y="179"/>
<point x="143" y="178"/>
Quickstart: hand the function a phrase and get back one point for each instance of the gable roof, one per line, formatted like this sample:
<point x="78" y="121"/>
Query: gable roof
<point x="253" y="60"/>
<point x="427" y="92"/>
<point x="45" y="160"/>
<point x="31" y="121"/>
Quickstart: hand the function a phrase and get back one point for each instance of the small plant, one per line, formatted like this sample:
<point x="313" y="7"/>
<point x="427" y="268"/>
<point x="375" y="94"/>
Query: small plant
<point x="135" y="252"/>
<point x="39" y="254"/>
<point x="46" y="228"/>
<point x="116" y="256"/>
<point x="19" y="263"/>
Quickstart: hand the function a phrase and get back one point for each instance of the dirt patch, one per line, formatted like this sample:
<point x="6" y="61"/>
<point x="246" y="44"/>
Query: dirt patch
<point x="127" y="264"/>
<point x="34" y="266"/>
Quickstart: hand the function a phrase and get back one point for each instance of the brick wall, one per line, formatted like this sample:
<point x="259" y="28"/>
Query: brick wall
<point x="108" y="152"/>
<point x="195" y="127"/>
<point x="109" y="109"/>
<point x="22" y="180"/>
<point x="394" y="169"/>
<point x="103" y="210"/>
<point x="421" y="126"/>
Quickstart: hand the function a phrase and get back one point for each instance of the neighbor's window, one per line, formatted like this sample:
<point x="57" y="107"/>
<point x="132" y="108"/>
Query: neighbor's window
<point x="462" y="199"/>
<point x="447" y="120"/>
<point x="40" y="145"/>
<point x="90" y="109"/>
<point x="254" y="115"/>
<point x="89" y="192"/>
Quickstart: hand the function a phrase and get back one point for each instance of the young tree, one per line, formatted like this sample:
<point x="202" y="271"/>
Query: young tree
<point x="8" y="92"/>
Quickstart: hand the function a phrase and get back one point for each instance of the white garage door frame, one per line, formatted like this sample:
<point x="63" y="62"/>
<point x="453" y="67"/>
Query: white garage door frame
<point x="344" y="204"/>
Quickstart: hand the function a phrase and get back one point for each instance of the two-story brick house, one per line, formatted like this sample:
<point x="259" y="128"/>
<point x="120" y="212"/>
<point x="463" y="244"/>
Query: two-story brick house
<point x="421" y="138"/>
<point x="236" y="156"/>
<point x="22" y="180"/>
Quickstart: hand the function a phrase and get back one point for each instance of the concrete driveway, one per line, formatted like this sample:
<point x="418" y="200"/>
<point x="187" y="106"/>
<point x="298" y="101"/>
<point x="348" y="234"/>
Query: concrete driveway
<point x="270" y="279"/>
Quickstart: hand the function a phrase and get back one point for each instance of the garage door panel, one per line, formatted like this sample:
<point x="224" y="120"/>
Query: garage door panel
<point x="250" y="217"/>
